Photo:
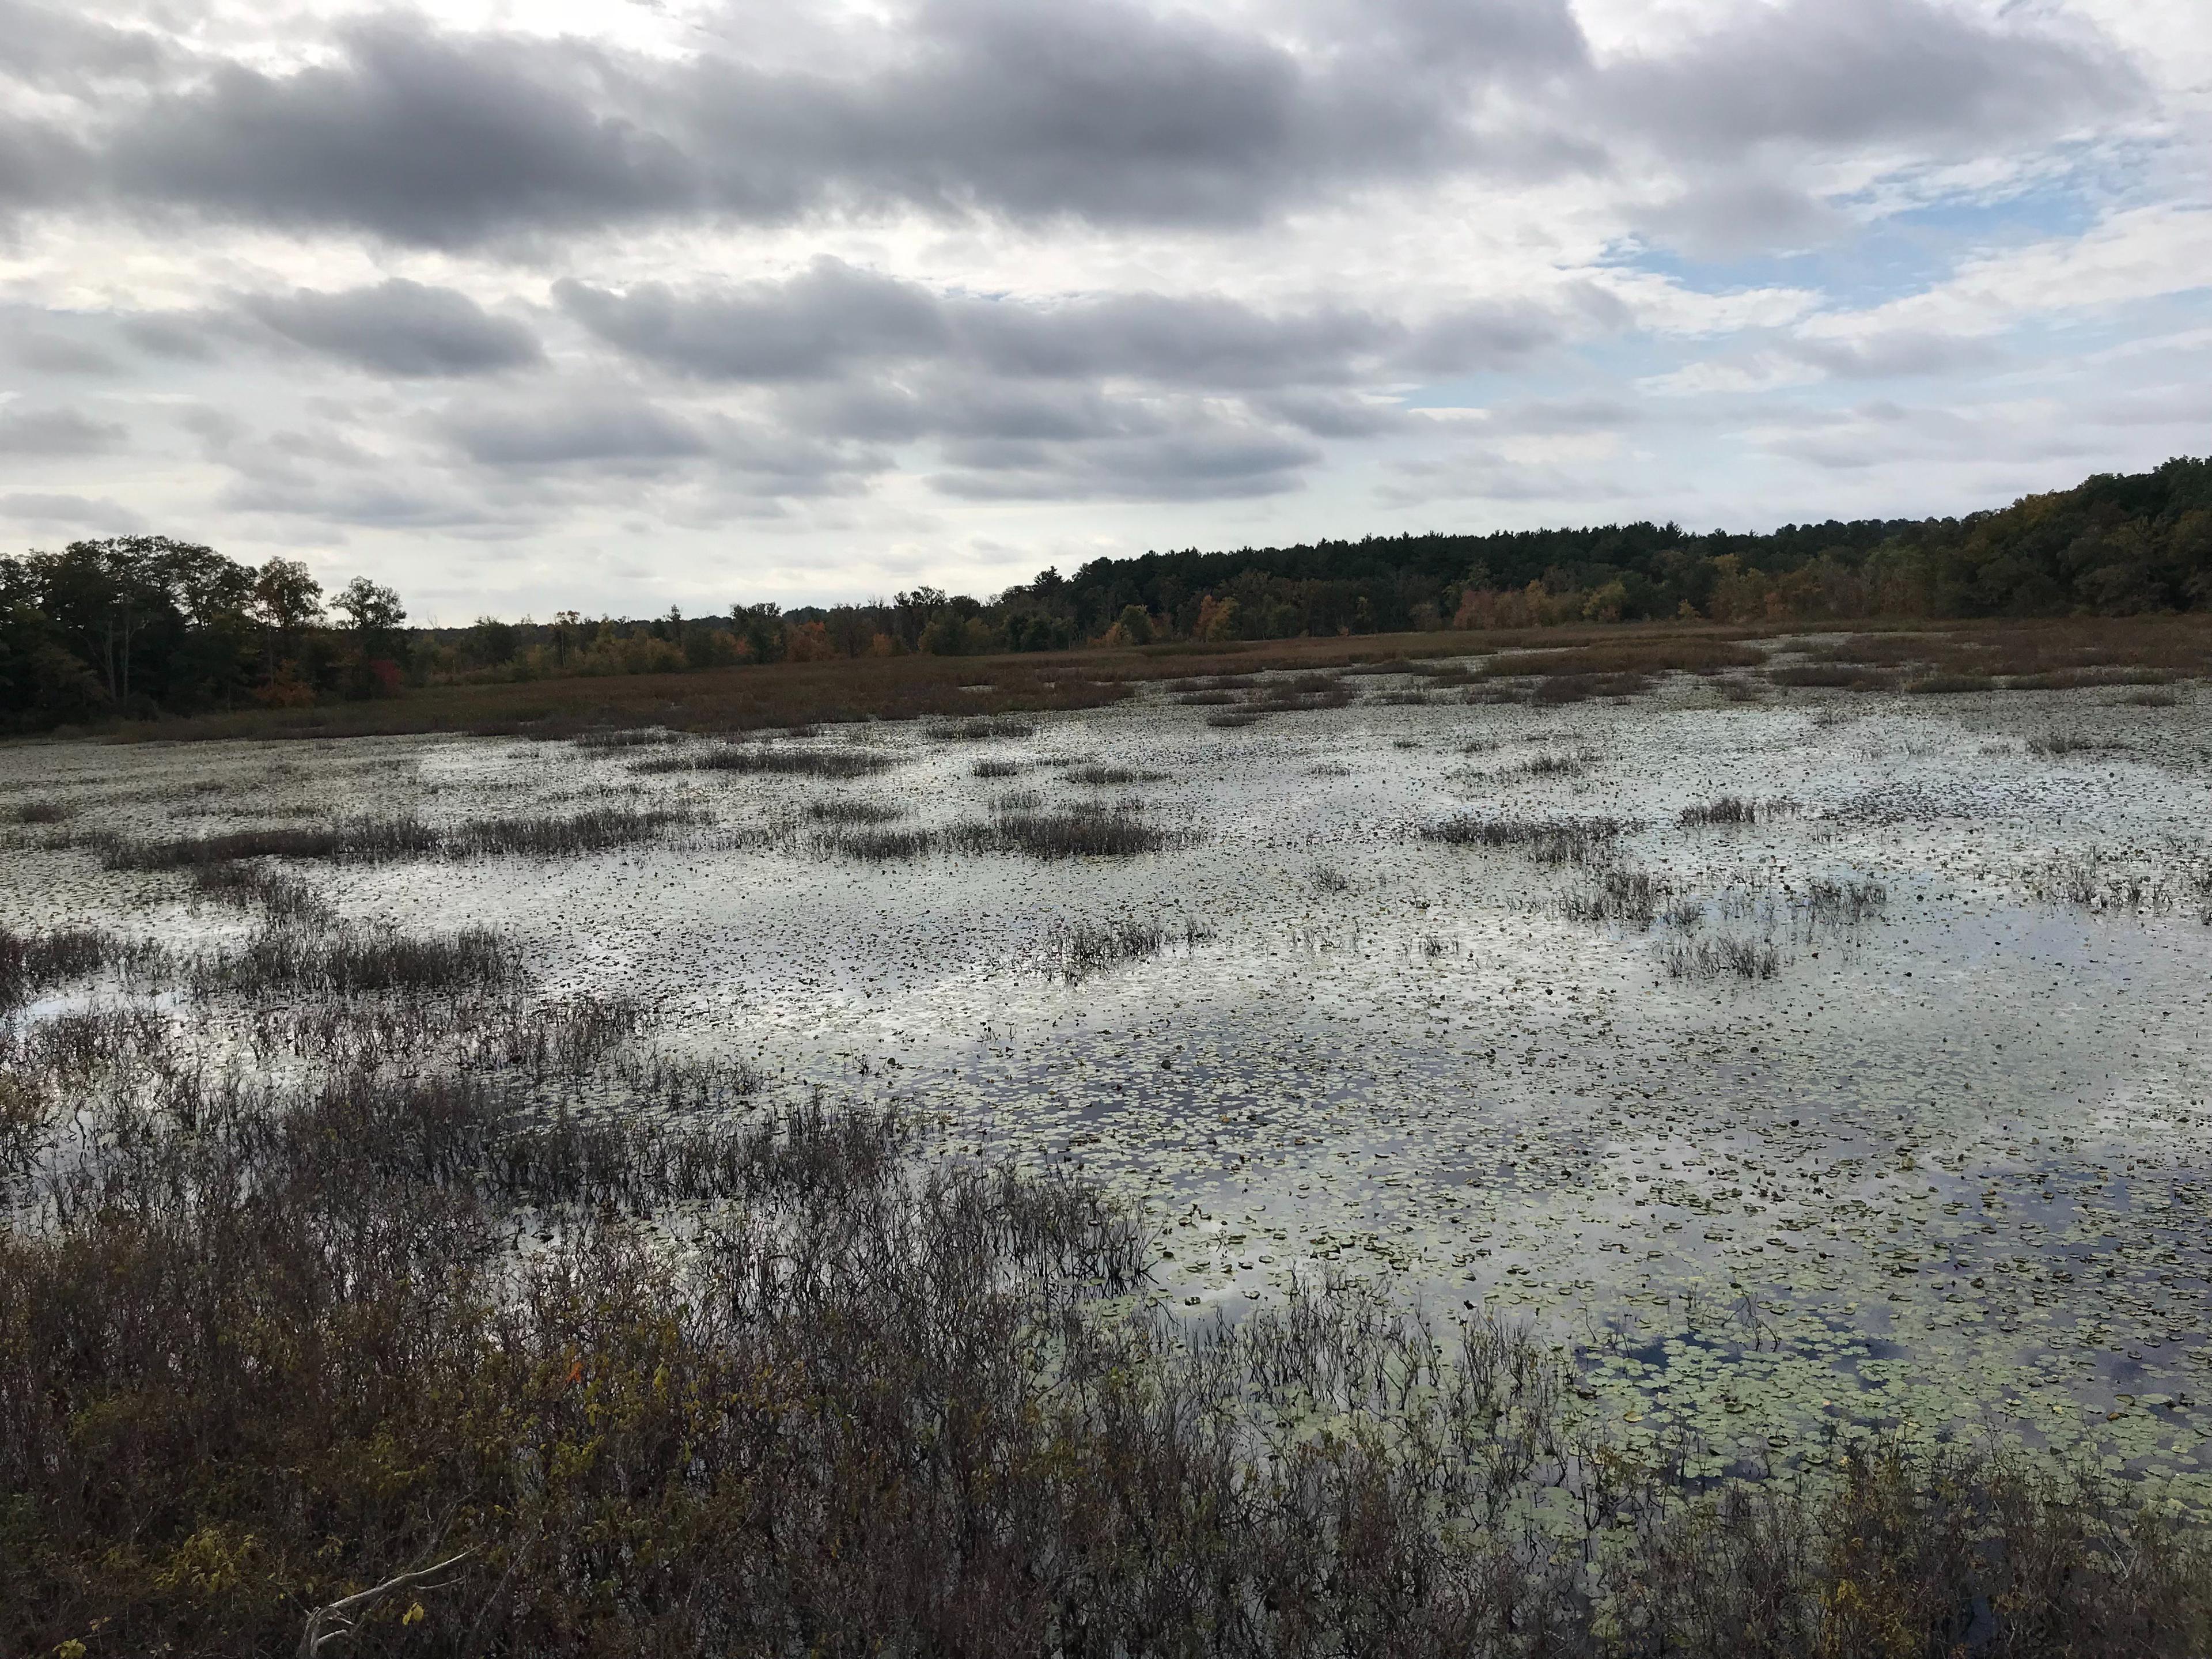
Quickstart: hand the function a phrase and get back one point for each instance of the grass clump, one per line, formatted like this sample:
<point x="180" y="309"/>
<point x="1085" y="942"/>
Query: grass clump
<point x="1629" y="897"/>
<point x="286" y="962"/>
<point x="280" y="897"/>
<point x="836" y="808"/>
<point x="2054" y="745"/>
<point x="760" y="757"/>
<point x="41" y="811"/>
<point x="1839" y="676"/>
<point x="625" y="737"/>
<point x="1844" y="904"/>
<point x="1071" y="951"/>
<point x="373" y="841"/>
<point x="1721" y="956"/>
<point x="996" y="769"/>
<point x="1730" y="811"/>
<point x="980" y="729"/>
<point x="876" y="845"/>
<point x="598" y="830"/>
<point x="1578" y="841"/>
<point x="1555" y="763"/>
<point x="1082" y="829"/>
<point x="34" y="963"/>
<point x="1093" y="775"/>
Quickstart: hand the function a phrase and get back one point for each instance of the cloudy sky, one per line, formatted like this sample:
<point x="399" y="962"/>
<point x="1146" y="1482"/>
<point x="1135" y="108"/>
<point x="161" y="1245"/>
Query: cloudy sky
<point x="619" y="304"/>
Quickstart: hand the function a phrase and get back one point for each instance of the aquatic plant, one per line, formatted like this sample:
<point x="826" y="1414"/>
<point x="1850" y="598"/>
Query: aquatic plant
<point x="32" y="962"/>
<point x="839" y="808"/>
<point x="979" y="729"/>
<point x="1573" y="840"/>
<point x="369" y="841"/>
<point x="1091" y="775"/>
<point x="625" y="737"/>
<point x="289" y="962"/>
<point x="1629" y="897"/>
<point x="1721" y="957"/>
<point x="1080" y="830"/>
<point x="875" y="845"/>
<point x="854" y="763"/>
<point x="1073" y="950"/>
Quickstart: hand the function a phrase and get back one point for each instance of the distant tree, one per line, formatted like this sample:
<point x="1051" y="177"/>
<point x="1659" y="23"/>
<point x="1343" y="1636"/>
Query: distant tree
<point x="494" y="642"/>
<point x="370" y="609"/>
<point x="1133" y="627"/>
<point x="372" y="614"/>
<point x="287" y="599"/>
<point x="761" y="627"/>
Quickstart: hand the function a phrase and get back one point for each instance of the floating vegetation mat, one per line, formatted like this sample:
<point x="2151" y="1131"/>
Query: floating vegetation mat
<point x="1807" y="1070"/>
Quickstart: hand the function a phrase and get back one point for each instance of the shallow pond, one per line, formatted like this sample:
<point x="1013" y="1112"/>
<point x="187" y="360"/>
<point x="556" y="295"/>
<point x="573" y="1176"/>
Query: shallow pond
<point x="1941" y="1165"/>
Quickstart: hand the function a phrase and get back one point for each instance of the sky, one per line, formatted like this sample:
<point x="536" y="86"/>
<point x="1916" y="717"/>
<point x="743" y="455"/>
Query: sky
<point x="617" y="305"/>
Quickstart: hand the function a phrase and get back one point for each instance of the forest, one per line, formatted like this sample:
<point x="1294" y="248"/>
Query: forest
<point x="141" y="626"/>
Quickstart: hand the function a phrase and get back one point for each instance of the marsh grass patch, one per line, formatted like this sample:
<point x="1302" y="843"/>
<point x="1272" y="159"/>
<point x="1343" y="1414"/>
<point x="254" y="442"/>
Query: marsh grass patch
<point x="980" y="730"/>
<point x="1553" y="763"/>
<point x="2055" y="746"/>
<point x="32" y="962"/>
<point x="285" y="961"/>
<point x="1094" y="775"/>
<point x="1071" y="951"/>
<point x="1080" y="830"/>
<point x="628" y="736"/>
<point x="876" y="844"/>
<point x="844" y="810"/>
<point x="1624" y="897"/>
<point x="1580" y="842"/>
<point x="846" y="763"/>
<point x="1728" y="811"/>
<point x="1723" y="956"/>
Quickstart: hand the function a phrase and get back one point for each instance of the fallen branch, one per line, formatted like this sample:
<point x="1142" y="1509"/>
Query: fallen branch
<point x="343" y="1616"/>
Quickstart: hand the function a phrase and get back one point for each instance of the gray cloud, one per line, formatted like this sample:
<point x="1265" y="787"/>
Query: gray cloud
<point x="1818" y="75"/>
<point x="400" y="328"/>
<point x="54" y="354"/>
<point x="807" y="328"/>
<point x="1134" y="396"/>
<point x="1115" y="112"/>
<point x="37" y="431"/>
<point x="1195" y="464"/>
<point x="1899" y="352"/>
<point x="834" y="321"/>
<point x="102" y="516"/>
<point x="619" y="433"/>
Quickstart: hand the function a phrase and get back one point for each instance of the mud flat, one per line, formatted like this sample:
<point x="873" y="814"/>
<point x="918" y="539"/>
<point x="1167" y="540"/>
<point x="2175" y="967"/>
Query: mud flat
<point x="1811" y="1067"/>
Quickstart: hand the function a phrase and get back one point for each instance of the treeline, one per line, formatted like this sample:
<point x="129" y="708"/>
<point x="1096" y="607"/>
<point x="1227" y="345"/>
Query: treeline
<point x="137" y="626"/>
<point x="2112" y="546"/>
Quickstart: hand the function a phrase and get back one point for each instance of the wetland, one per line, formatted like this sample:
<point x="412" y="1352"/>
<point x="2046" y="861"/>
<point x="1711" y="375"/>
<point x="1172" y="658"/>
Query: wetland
<point x="1549" y="1158"/>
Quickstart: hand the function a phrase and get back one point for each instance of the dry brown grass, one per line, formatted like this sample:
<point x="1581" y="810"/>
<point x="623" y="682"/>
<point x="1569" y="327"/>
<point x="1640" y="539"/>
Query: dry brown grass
<point x="2099" y="650"/>
<point x="1695" y="654"/>
<point x="2041" y="655"/>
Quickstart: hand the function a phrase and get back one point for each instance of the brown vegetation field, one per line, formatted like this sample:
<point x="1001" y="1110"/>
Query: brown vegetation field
<point x="1611" y="659"/>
